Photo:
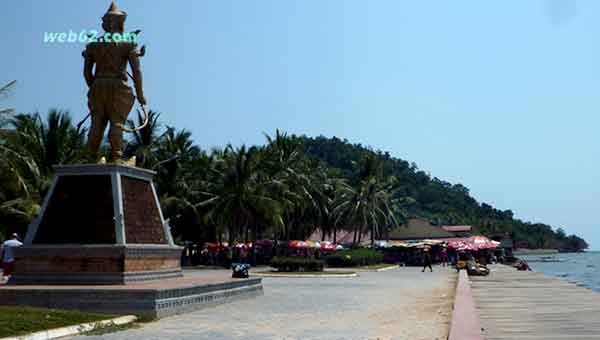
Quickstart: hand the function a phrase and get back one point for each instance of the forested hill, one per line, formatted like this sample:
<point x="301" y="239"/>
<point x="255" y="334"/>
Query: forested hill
<point x="437" y="200"/>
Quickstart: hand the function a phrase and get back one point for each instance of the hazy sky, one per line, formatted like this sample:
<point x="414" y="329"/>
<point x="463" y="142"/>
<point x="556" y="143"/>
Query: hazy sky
<point x="499" y="96"/>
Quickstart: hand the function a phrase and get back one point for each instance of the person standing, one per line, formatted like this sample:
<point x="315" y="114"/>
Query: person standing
<point x="426" y="260"/>
<point x="8" y="255"/>
<point x="444" y="257"/>
<point x="243" y="255"/>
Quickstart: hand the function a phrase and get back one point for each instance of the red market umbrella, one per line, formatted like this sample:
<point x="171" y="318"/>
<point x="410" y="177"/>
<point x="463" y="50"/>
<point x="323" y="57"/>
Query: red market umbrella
<point x="328" y="246"/>
<point x="482" y="242"/>
<point x="216" y="246"/>
<point x="473" y="243"/>
<point x="298" y="244"/>
<point x="478" y="239"/>
<point x="243" y="245"/>
<point x="264" y="243"/>
<point x="313" y="244"/>
<point x="467" y="246"/>
<point x="456" y="244"/>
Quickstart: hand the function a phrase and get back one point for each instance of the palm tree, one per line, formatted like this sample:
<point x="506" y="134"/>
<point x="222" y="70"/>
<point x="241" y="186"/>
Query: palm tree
<point x="176" y="142"/>
<point x="294" y="184"/>
<point x="53" y="142"/>
<point x="184" y="183"/>
<point x="334" y="189"/>
<point x="368" y="205"/>
<point x="5" y="113"/>
<point x="16" y="206"/>
<point x="29" y="149"/>
<point x="237" y="197"/>
<point x="176" y="160"/>
<point x="175" y="148"/>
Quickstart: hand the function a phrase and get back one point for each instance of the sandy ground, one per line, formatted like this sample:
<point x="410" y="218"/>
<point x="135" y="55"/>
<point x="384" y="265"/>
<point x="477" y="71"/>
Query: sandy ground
<point x="402" y="303"/>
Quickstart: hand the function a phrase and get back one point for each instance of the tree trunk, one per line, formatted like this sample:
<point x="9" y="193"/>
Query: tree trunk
<point x="334" y="234"/>
<point x="231" y="236"/>
<point x="359" y="235"/>
<point x="288" y="231"/>
<point x="254" y="238"/>
<point x="372" y="237"/>
<point x="354" y="238"/>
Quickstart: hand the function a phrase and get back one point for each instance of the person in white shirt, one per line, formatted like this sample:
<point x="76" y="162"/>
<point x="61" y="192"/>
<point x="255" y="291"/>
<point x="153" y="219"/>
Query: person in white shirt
<point x="8" y="255"/>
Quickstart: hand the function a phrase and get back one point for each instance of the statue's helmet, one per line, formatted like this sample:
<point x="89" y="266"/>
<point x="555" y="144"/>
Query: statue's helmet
<point x="114" y="19"/>
<point x="114" y="11"/>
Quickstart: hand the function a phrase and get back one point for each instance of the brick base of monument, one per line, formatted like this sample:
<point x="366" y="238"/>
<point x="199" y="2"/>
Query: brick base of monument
<point x="151" y="299"/>
<point x="100" y="264"/>
<point x="99" y="224"/>
<point x="101" y="244"/>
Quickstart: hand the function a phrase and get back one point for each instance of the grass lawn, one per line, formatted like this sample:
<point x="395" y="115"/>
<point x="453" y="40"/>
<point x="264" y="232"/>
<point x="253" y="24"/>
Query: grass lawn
<point x="16" y="321"/>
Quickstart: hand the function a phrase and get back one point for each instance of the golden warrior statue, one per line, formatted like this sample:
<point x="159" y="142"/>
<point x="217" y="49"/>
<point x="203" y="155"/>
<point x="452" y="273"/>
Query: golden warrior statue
<point x="110" y="99"/>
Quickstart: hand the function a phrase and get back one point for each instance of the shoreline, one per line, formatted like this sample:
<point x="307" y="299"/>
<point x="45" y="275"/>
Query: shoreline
<point x="526" y="252"/>
<point x="581" y="269"/>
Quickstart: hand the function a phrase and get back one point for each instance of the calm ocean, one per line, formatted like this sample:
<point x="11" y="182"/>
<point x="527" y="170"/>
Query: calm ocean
<point x="583" y="268"/>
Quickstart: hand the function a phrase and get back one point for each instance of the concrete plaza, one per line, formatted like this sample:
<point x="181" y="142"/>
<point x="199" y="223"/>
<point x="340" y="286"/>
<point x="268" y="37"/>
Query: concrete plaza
<point x="402" y="303"/>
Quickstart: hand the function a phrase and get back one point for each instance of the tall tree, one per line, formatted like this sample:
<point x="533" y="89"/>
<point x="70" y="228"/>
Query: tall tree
<point x="237" y="197"/>
<point x="5" y="112"/>
<point x="29" y="148"/>
<point x="368" y="206"/>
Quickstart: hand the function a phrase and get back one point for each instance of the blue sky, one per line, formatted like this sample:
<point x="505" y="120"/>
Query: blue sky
<point x="499" y="96"/>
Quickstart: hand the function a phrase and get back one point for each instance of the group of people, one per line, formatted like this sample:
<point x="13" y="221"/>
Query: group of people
<point x="428" y="258"/>
<point x="224" y="255"/>
<point x="475" y="263"/>
<point x="8" y="256"/>
<point x="194" y="255"/>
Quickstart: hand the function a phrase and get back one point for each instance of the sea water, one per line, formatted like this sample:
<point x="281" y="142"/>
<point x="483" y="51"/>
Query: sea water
<point x="581" y="268"/>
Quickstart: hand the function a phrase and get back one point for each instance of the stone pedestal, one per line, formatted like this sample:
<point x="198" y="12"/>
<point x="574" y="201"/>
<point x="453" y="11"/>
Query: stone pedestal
<point x="100" y="244"/>
<point x="99" y="224"/>
<point x="95" y="264"/>
<point x="148" y="299"/>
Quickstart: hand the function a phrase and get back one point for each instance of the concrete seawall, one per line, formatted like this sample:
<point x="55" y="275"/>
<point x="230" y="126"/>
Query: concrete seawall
<point x="465" y="319"/>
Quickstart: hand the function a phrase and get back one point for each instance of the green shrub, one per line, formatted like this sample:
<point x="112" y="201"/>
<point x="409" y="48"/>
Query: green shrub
<point x="296" y="264"/>
<point x="354" y="258"/>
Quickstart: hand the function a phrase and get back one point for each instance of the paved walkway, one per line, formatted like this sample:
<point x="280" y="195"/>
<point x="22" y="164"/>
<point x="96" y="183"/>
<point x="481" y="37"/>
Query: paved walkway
<point x="401" y="303"/>
<point x="515" y="305"/>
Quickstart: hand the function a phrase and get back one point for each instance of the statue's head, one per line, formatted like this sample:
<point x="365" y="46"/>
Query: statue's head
<point x="114" y="19"/>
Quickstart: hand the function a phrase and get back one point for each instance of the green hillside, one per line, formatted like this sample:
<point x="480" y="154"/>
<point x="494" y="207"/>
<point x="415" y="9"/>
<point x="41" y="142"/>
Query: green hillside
<point x="437" y="200"/>
<point x="286" y="188"/>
